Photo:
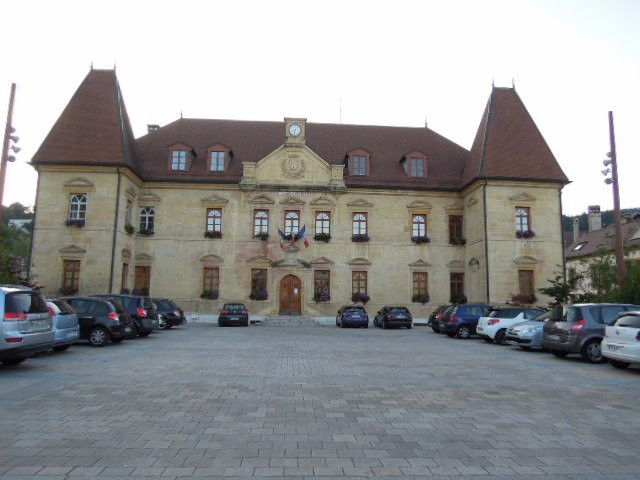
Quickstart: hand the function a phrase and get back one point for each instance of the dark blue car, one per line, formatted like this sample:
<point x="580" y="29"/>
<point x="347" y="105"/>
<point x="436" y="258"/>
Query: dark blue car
<point x="352" y="316"/>
<point x="462" y="320"/>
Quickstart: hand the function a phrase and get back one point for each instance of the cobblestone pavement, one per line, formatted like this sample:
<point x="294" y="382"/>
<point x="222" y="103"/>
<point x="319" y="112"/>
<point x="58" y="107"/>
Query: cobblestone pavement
<point x="301" y="402"/>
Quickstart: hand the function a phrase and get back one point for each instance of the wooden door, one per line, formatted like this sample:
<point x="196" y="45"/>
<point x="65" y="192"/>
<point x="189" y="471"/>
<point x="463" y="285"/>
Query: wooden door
<point x="290" y="296"/>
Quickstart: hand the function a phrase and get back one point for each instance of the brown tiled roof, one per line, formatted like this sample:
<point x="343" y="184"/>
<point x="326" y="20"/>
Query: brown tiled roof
<point x="603" y="239"/>
<point x="94" y="127"/>
<point x="509" y="145"/>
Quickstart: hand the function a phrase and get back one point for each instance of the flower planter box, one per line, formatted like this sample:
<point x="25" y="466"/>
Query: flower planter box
<point x="322" y="237"/>
<point x="419" y="240"/>
<point x="360" y="238"/>
<point x="74" y="223"/>
<point x="525" y="234"/>
<point x="262" y="236"/>
<point x="212" y="234"/>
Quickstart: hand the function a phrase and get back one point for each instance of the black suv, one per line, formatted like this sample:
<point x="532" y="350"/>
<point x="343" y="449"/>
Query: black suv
<point x="170" y="314"/>
<point x="100" y="321"/>
<point x="234" y="314"/>
<point x="393" y="316"/>
<point x="142" y="310"/>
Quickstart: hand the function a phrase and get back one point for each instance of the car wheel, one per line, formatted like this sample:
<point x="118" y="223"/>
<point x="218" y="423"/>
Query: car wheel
<point x="409" y="327"/>
<point x="341" y="324"/>
<point x="488" y="339"/>
<point x="61" y="348"/>
<point x="618" y="363"/>
<point x="98" y="337"/>
<point x="435" y="328"/>
<point x="592" y="353"/>
<point x="143" y="334"/>
<point x="13" y="361"/>
<point x="500" y="337"/>
<point x="559" y="353"/>
<point x="134" y="330"/>
<point x="450" y="334"/>
<point x="464" y="331"/>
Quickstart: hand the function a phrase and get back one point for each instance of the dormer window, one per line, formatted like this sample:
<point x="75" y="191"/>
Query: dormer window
<point x="179" y="160"/>
<point x="415" y="164"/>
<point x="217" y="161"/>
<point x="359" y="165"/>
<point x="359" y="162"/>
<point x="416" y="167"/>
<point x="218" y="157"/>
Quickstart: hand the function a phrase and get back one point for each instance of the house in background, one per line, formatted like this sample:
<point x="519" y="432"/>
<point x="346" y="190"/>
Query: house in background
<point x="196" y="208"/>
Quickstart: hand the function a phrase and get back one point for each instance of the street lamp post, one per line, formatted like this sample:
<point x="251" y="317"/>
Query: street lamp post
<point x="8" y="138"/>
<point x="613" y="181"/>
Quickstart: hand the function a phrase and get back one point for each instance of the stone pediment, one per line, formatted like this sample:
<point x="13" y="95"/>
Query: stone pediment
<point x="420" y="204"/>
<point x="360" y="202"/>
<point x="259" y="260"/>
<point x="321" y="261"/>
<point x="359" y="261"/>
<point x="454" y="206"/>
<point x="292" y="201"/>
<point x="262" y="199"/>
<point x="126" y="253"/>
<point x="525" y="260"/>
<point x="455" y="264"/>
<point x="292" y="165"/>
<point x="144" y="257"/>
<point x="522" y="197"/>
<point x="322" y="201"/>
<point x="214" y="199"/>
<point x="149" y="199"/>
<point x="73" y="249"/>
<point x="474" y="262"/>
<point x="420" y="263"/>
<point x="211" y="259"/>
<point x="79" y="182"/>
<point x="472" y="201"/>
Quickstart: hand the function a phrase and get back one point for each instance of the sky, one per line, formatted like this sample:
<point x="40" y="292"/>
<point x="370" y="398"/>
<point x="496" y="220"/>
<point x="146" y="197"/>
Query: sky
<point x="395" y="62"/>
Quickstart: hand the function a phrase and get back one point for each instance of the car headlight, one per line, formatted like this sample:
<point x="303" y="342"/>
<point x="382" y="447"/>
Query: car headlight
<point x="534" y="329"/>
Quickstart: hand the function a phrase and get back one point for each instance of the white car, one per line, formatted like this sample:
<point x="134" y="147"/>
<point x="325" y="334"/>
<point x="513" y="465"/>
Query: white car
<point x="494" y="325"/>
<point x="621" y="343"/>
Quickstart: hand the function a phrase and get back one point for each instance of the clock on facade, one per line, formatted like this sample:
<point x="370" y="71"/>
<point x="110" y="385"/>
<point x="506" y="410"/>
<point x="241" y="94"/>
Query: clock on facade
<point x="295" y="129"/>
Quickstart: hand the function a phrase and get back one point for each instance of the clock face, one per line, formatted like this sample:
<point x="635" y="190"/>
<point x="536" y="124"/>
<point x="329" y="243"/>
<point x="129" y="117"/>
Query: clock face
<point x="295" y="129"/>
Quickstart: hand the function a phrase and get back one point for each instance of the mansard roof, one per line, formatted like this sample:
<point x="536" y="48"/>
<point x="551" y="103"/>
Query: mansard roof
<point x="94" y="129"/>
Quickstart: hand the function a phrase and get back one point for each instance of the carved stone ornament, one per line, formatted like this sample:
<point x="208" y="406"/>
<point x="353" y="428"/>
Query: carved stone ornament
<point x="293" y="167"/>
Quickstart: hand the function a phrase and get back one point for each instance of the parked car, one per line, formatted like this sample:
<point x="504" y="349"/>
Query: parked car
<point x="233" y="314"/>
<point x="352" y="315"/>
<point x="26" y="328"/>
<point x="99" y="320"/>
<point x="581" y="329"/>
<point x="461" y="320"/>
<point x="528" y="335"/>
<point x="169" y="314"/>
<point x="393" y="316"/>
<point x="437" y="316"/>
<point x="65" y="324"/>
<point x="493" y="326"/>
<point x="433" y="314"/>
<point x="621" y="343"/>
<point x="141" y="309"/>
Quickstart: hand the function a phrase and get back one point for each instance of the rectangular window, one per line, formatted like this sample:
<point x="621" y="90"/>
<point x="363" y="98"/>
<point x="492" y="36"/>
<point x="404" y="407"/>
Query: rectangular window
<point x="321" y="286"/>
<point x="125" y="276"/>
<point x="417" y="167"/>
<point x="258" y="279"/>
<point x="455" y="229"/>
<point x="456" y="286"/>
<point x="359" y="165"/>
<point x="211" y="279"/>
<point x="214" y="220"/>
<point x="523" y="221"/>
<point x="525" y="282"/>
<point x="71" y="275"/>
<point x="358" y="282"/>
<point x="147" y="219"/>
<point x="420" y="283"/>
<point x="179" y="160"/>
<point x="217" y="161"/>
<point x="142" y="279"/>
<point x="260" y="222"/>
<point x="323" y="220"/>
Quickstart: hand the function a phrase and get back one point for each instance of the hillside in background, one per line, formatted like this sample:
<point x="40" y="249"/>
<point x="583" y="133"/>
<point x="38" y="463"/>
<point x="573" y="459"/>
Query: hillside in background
<point x="607" y="219"/>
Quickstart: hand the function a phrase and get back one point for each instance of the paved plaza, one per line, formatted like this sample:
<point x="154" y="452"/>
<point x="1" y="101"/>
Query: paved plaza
<point x="305" y="402"/>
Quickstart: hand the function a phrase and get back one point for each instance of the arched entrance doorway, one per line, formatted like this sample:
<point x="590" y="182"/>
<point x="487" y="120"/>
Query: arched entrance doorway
<point x="290" y="295"/>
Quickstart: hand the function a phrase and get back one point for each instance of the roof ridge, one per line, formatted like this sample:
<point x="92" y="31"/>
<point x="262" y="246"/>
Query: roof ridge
<point x="485" y="135"/>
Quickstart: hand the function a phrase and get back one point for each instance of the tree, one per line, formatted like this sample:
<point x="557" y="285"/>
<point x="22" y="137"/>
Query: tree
<point x="7" y="273"/>
<point x="15" y="211"/>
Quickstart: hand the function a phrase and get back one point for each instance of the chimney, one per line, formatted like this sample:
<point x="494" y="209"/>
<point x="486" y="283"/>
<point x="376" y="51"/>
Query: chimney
<point x="152" y="127"/>
<point x="595" y="220"/>
<point x="576" y="229"/>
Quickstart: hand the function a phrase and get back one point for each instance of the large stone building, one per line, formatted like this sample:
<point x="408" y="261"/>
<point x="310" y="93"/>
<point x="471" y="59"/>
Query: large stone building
<point x="401" y="215"/>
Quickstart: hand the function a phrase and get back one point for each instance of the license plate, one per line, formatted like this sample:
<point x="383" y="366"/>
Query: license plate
<point x="480" y="329"/>
<point x="127" y="329"/>
<point x="614" y="348"/>
<point x="38" y="323"/>
<point x="554" y="338"/>
<point x="234" y="319"/>
<point x="72" y="333"/>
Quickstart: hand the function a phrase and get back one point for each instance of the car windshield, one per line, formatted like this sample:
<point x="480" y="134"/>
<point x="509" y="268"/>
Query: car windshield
<point x="630" y="321"/>
<point x="64" y="307"/>
<point x="148" y="304"/>
<point x="399" y="310"/>
<point x="505" y="312"/>
<point x="234" y="307"/>
<point x="354" y="310"/>
<point x="117" y="305"/>
<point x="543" y="317"/>
<point x="164" y="304"/>
<point x="25" y="302"/>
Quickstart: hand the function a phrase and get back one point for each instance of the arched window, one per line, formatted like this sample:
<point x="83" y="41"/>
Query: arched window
<point x="260" y="222"/>
<point x="419" y="226"/>
<point x="322" y="223"/>
<point x="522" y="219"/>
<point x="147" y="215"/>
<point x="291" y="222"/>
<point x="78" y="207"/>
<point x="214" y="220"/>
<point x="359" y="223"/>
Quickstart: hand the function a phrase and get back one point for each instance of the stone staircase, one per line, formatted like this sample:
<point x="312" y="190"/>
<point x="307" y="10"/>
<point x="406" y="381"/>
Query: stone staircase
<point x="289" y="321"/>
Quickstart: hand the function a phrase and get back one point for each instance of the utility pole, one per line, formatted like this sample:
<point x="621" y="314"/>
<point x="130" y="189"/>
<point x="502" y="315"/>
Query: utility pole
<point x="5" y="147"/>
<point x="620" y="265"/>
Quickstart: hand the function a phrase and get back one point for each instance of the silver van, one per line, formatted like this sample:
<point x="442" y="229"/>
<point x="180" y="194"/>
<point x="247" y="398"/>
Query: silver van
<point x="25" y="324"/>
